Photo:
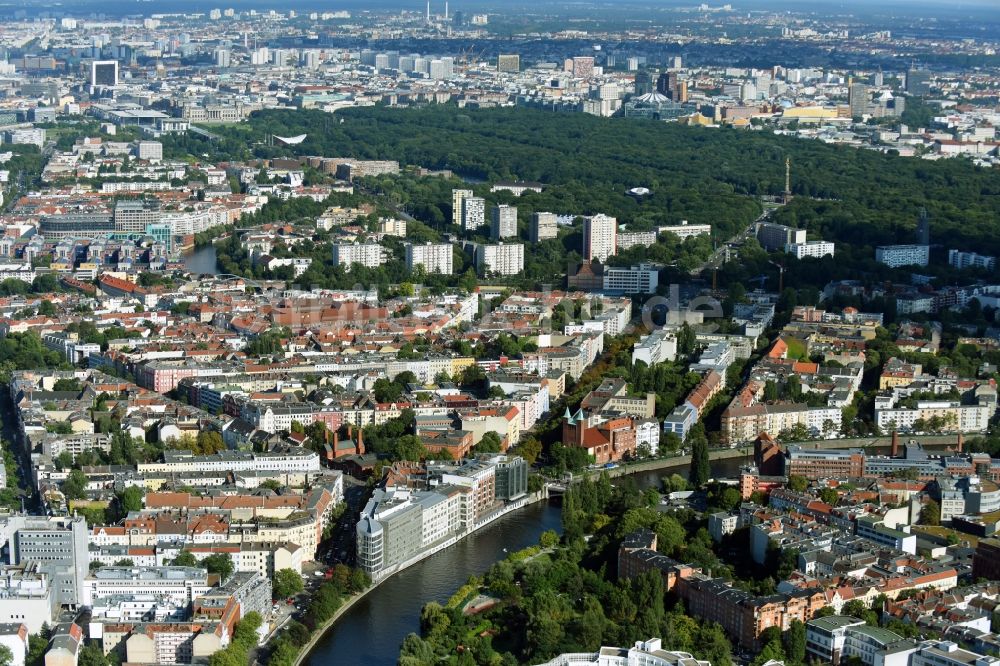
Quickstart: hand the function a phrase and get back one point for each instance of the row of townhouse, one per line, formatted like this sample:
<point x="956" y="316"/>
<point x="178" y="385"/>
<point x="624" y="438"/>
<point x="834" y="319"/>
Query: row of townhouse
<point x="686" y="415"/>
<point x="746" y="617"/>
<point x="152" y="529"/>
<point x="288" y="460"/>
<point x="569" y="354"/>
<point x="261" y="557"/>
<point x="165" y="375"/>
<point x="743" y="424"/>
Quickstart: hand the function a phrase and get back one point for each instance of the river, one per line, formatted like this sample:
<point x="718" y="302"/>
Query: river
<point x="371" y="632"/>
<point x="728" y="468"/>
<point x="202" y="261"/>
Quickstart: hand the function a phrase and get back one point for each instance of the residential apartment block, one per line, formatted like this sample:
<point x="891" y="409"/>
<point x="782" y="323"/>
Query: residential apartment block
<point x="458" y="196"/>
<point x="434" y="257"/>
<point x="962" y="260"/>
<point x="504" y="222"/>
<point x="500" y="259"/>
<point x="401" y="525"/>
<point x="599" y="237"/>
<point x="895" y="256"/>
<point x="543" y="227"/>
<point x="473" y="212"/>
<point x="816" y="249"/>
<point x="370" y="255"/>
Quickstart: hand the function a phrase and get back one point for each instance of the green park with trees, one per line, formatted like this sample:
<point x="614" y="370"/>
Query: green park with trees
<point x="704" y="175"/>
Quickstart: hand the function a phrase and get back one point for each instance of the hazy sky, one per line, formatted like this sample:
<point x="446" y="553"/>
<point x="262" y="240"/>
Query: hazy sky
<point x="563" y="7"/>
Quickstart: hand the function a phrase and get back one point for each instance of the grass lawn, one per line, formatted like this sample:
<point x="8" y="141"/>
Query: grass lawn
<point x="796" y="348"/>
<point x="943" y="532"/>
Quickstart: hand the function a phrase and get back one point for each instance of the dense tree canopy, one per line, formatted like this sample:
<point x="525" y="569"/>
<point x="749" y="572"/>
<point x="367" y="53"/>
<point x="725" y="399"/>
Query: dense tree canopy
<point x="702" y="175"/>
<point x="563" y="599"/>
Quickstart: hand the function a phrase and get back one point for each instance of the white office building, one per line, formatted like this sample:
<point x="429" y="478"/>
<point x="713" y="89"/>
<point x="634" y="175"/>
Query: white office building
<point x="223" y="57"/>
<point x="149" y="150"/>
<point x="441" y="68"/>
<point x="778" y="236"/>
<point x="961" y="260"/>
<point x="26" y="596"/>
<point x="295" y="460"/>
<point x="825" y="637"/>
<point x="178" y="585"/>
<point x="628" y="239"/>
<point x="643" y="653"/>
<point x="948" y="653"/>
<point x="57" y="544"/>
<point x="641" y="279"/>
<point x="310" y="59"/>
<point x="657" y="347"/>
<point x="875" y="646"/>
<point x="34" y="136"/>
<point x="685" y="230"/>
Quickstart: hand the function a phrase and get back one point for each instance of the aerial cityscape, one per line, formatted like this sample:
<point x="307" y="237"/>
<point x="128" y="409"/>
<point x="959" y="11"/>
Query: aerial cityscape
<point x="640" y="333"/>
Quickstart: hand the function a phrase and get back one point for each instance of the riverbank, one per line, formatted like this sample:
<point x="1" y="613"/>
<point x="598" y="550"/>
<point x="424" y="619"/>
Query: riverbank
<point x="201" y="260"/>
<point x="451" y="541"/>
<point x="387" y="617"/>
<point x="625" y="469"/>
<point x="320" y="633"/>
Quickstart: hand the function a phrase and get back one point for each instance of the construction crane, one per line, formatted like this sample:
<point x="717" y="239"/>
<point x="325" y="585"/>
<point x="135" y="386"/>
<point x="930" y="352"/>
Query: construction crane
<point x="760" y="280"/>
<point x="469" y="55"/>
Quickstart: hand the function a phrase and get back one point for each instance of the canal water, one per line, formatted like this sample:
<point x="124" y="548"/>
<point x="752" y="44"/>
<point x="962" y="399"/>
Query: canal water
<point x="202" y="261"/>
<point x="371" y="632"/>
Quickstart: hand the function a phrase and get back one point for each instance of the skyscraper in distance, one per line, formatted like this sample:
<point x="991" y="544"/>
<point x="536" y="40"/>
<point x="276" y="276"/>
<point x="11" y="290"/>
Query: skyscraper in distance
<point x="671" y="85"/>
<point x="918" y="82"/>
<point x="582" y="67"/>
<point x="543" y="226"/>
<point x="104" y="73"/>
<point x="646" y="81"/>
<point x="857" y="99"/>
